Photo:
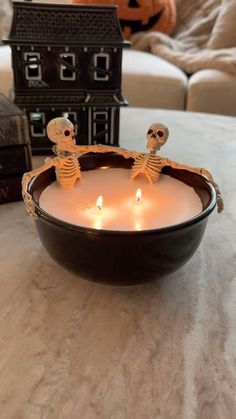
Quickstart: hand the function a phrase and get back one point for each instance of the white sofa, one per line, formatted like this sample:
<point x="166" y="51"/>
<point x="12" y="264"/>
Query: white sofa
<point x="149" y="81"/>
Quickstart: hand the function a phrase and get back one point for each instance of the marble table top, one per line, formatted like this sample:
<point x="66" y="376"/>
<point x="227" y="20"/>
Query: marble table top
<point x="72" y="349"/>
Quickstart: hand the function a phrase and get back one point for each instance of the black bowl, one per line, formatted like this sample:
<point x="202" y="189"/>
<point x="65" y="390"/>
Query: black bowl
<point x="122" y="257"/>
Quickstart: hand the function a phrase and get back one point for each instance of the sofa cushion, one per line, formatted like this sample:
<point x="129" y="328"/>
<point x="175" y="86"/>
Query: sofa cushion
<point x="212" y="91"/>
<point x="6" y="74"/>
<point x="224" y="33"/>
<point x="138" y="16"/>
<point x="149" y="81"/>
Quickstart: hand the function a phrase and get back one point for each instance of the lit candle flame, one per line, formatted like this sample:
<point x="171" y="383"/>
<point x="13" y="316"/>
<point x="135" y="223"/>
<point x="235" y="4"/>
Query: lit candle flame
<point x="138" y="195"/>
<point x="99" y="202"/>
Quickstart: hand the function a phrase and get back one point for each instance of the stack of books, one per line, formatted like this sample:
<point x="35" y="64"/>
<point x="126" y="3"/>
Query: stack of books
<point x="15" y="150"/>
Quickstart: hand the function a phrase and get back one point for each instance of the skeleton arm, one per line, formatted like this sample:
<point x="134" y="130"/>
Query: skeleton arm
<point x="202" y="172"/>
<point x="100" y="148"/>
<point x="27" y="177"/>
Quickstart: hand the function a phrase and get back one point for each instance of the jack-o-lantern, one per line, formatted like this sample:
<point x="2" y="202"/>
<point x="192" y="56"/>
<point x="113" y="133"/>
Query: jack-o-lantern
<point x="142" y="15"/>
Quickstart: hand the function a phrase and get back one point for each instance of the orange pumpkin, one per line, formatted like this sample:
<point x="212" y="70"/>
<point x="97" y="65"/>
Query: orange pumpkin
<point x="142" y="15"/>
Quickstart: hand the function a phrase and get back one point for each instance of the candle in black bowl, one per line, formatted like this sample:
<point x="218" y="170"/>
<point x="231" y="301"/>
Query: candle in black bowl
<point x="118" y="255"/>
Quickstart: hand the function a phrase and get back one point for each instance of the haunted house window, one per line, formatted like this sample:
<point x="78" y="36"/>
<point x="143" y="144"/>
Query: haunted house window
<point x="32" y="66"/>
<point x="101" y="66"/>
<point x="67" y="66"/>
<point x="37" y="124"/>
<point x="72" y="116"/>
<point x="100" y="127"/>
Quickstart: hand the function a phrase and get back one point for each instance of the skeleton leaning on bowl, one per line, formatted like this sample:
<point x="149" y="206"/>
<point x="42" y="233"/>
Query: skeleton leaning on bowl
<point x="68" y="172"/>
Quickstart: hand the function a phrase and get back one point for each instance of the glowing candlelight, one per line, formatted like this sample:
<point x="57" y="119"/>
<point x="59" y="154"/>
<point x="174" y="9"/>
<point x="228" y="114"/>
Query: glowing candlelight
<point x="104" y="167"/>
<point x="138" y="226"/>
<point x="97" y="224"/>
<point x="138" y="195"/>
<point x="99" y="202"/>
<point x="164" y="203"/>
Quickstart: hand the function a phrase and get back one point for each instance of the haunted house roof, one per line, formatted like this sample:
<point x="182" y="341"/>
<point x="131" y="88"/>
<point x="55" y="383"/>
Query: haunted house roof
<point x="56" y="24"/>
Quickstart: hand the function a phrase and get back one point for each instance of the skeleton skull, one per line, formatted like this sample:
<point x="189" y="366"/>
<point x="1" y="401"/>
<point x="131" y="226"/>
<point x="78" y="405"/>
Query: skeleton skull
<point x="156" y="137"/>
<point x="61" y="132"/>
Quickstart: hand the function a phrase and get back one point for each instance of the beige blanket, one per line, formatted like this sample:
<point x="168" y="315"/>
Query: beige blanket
<point x="189" y="47"/>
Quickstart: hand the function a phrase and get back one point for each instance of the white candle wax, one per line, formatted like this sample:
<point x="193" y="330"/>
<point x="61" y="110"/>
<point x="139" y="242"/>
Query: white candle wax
<point x="164" y="203"/>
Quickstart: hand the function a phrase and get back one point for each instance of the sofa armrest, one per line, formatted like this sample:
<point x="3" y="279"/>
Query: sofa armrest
<point x="6" y="73"/>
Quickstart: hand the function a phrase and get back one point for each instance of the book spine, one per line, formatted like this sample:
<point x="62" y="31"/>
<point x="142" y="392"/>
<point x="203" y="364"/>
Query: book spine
<point x="14" y="130"/>
<point x="15" y="160"/>
<point x="10" y="189"/>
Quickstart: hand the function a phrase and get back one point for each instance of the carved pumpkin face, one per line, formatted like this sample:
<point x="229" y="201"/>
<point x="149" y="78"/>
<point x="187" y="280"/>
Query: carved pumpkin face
<point x="145" y="15"/>
<point x="142" y="15"/>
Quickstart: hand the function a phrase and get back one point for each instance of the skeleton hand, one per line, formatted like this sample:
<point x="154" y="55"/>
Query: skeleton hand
<point x="30" y="207"/>
<point x="219" y="200"/>
<point x="27" y="177"/>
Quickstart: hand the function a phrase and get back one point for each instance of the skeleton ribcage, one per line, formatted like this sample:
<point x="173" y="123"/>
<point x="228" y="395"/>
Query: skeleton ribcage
<point x="149" y="165"/>
<point x="68" y="172"/>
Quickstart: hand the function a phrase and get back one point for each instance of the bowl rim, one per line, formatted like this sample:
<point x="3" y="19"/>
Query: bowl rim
<point x="108" y="232"/>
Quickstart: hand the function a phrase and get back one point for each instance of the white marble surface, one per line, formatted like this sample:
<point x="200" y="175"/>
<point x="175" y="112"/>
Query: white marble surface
<point x="71" y="349"/>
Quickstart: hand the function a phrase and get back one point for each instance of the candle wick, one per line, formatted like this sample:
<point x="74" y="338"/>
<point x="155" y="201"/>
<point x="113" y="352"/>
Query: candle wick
<point x="99" y="203"/>
<point x="138" y="195"/>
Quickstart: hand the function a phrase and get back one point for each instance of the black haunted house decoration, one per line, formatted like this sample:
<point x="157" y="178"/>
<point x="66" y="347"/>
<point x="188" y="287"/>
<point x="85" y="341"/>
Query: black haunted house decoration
<point x="67" y="62"/>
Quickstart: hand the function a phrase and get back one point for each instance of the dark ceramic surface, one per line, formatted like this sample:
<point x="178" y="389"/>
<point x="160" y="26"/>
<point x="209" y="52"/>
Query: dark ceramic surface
<point x="122" y="258"/>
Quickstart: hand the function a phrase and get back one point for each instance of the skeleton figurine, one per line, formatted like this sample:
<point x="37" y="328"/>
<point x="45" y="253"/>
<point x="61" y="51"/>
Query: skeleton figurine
<point x="150" y="164"/>
<point x="61" y="132"/>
